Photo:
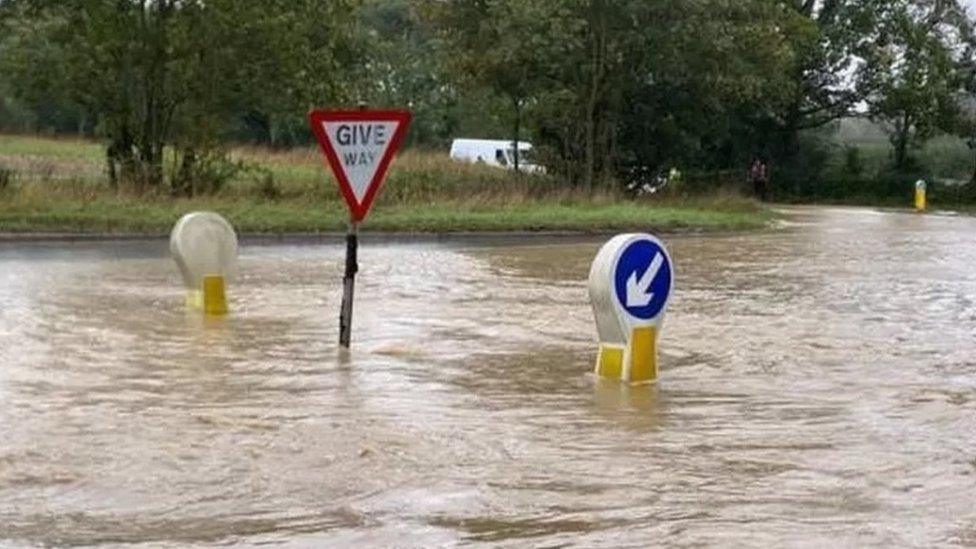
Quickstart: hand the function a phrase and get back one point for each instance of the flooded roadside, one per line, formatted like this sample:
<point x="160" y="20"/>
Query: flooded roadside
<point x="818" y="385"/>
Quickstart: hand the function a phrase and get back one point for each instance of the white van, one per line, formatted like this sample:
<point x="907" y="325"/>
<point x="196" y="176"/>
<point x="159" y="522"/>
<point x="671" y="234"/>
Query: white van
<point x="495" y="152"/>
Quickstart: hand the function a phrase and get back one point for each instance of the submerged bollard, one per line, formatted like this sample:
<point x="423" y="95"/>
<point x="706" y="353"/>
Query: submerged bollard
<point x="214" y="295"/>
<point x="204" y="246"/>
<point x="920" y="199"/>
<point x="630" y="285"/>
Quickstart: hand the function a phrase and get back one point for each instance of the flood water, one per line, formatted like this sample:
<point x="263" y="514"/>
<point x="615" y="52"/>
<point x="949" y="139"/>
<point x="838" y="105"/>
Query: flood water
<point x="818" y="387"/>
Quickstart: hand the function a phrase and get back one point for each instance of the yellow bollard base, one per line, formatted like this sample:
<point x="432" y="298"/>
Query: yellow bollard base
<point x="920" y="201"/>
<point x="194" y="299"/>
<point x="214" y="296"/>
<point x="643" y="355"/>
<point x="637" y="363"/>
<point x="610" y="361"/>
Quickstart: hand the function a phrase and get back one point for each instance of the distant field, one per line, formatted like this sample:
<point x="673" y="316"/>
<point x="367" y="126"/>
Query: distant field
<point x="60" y="185"/>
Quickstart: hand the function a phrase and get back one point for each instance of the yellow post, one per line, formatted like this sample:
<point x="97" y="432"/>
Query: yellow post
<point x="643" y="355"/>
<point x="639" y="354"/>
<point x="920" y="202"/>
<point x="194" y="299"/>
<point x="214" y="295"/>
<point x="610" y="361"/>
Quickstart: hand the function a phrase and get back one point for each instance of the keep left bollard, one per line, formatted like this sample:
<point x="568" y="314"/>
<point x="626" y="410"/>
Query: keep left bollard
<point x="630" y="284"/>
<point x="204" y="246"/>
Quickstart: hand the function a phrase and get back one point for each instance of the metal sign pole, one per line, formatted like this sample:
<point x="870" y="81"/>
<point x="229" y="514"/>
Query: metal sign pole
<point x="358" y="146"/>
<point x="349" y="284"/>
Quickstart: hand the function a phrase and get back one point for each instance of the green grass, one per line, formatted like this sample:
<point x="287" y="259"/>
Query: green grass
<point x="157" y="217"/>
<point x="59" y="187"/>
<point x="51" y="148"/>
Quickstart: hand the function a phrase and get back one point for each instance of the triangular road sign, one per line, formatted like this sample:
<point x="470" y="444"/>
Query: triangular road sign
<point x="359" y="146"/>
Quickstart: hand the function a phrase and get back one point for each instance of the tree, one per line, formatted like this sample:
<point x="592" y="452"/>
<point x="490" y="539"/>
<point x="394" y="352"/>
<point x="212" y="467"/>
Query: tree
<point x="828" y="78"/>
<point x="832" y="69"/>
<point x="644" y="84"/>
<point x="714" y="71"/>
<point x="176" y="73"/>
<point x="47" y="101"/>
<point x="917" y="92"/>
<point x="506" y="45"/>
<point x="601" y="79"/>
<point x="402" y="69"/>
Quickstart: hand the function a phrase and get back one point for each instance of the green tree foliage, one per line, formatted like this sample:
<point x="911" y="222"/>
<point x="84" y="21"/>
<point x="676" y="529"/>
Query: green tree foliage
<point x="826" y="79"/>
<point x="510" y="46"/>
<point x="832" y="68"/>
<point x="613" y="82"/>
<point x="174" y="73"/>
<point x="922" y="57"/>
<point x="600" y="86"/>
<point x="401" y="69"/>
<point x="711" y="71"/>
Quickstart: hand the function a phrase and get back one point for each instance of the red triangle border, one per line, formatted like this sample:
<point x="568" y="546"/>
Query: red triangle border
<point x="316" y="119"/>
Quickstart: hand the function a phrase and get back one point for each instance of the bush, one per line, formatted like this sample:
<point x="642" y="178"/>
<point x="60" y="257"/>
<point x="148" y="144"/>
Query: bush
<point x="706" y="182"/>
<point x="948" y="194"/>
<point x="266" y="187"/>
<point x="204" y="173"/>
<point x="802" y="173"/>
<point x="6" y="177"/>
<point x="892" y="188"/>
<point x="853" y="163"/>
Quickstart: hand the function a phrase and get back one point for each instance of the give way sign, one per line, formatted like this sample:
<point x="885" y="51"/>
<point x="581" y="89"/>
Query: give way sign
<point x="359" y="146"/>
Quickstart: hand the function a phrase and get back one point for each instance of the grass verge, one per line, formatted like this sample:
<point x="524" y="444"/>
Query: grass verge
<point x="58" y="187"/>
<point x="157" y="217"/>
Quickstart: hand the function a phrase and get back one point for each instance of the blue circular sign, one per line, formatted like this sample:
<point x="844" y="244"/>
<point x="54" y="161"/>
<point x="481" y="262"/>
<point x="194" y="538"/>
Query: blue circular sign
<point x="642" y="279"/>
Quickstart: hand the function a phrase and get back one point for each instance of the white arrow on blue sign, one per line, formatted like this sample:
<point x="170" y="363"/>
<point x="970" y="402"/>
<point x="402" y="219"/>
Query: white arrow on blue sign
<point x="642" y="279"/>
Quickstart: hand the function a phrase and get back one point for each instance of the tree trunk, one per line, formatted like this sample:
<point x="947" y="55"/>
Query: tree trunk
<point x="902" y="134"/>
<point x="784" y="145"/>
<point x="155" y="21"/>
<point x="183" y="182"/>
<point x="598" y="39"/>
<point x="900" y="151"/>
<point x="518" y="127"/>
<point x="120" y="156"/>
<point x="589" y="149"/>
<point x="113" y="175"/>
<point x="608" y="148"/>
<point x="972" y="180"/>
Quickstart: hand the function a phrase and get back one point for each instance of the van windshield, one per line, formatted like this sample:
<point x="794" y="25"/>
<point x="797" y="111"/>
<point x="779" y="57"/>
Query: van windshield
<point x="501" y="158"/>
<point x="526" y="156"/>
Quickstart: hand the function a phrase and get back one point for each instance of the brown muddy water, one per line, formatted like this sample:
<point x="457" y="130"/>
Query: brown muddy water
<point x="818" y="388"/>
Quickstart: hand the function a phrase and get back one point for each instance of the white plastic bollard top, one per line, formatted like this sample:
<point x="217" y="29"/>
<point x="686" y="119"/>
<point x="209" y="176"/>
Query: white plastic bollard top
<point x="204" y="244"/>
<point x="611" y="327"/>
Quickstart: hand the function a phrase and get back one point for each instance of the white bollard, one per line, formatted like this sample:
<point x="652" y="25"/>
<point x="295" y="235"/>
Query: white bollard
<point x="630" y="284"/>
<point x="204" y="246"/>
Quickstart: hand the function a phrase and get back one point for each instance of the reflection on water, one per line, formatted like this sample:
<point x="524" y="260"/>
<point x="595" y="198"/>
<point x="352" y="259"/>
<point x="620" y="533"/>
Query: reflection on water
<point x="818" y="386"/>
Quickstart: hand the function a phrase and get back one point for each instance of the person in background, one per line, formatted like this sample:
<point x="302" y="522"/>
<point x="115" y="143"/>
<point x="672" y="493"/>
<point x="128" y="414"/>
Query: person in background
<point x="759" y="177"/>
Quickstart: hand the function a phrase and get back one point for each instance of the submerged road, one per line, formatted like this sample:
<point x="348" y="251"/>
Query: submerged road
<point x="818" y="387"/>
